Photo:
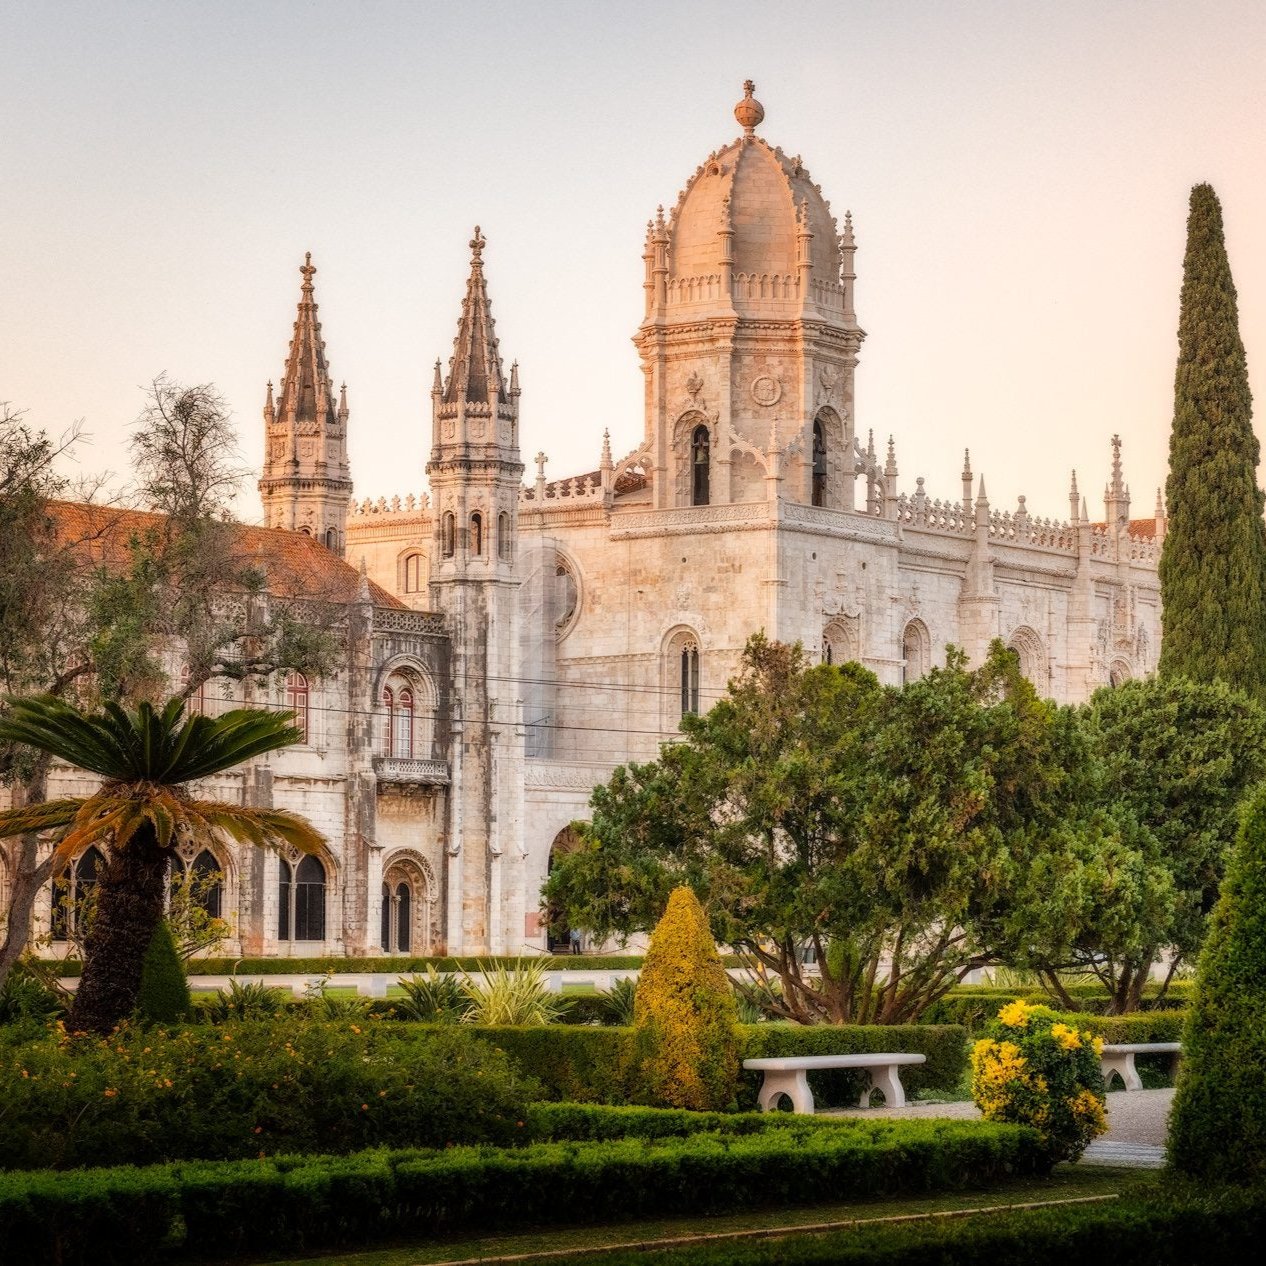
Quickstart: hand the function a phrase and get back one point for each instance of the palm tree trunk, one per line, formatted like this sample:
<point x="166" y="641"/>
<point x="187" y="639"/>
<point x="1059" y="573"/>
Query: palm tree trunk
<point x="129" y="906"/>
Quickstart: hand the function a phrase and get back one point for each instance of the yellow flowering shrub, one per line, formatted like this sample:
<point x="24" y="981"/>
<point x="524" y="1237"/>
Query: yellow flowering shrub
<point x="1031" y="1068"/>
<point x="686" y="1039"/>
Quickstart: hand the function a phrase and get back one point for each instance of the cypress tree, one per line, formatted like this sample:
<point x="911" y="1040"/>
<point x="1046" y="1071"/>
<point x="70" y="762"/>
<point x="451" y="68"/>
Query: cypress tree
<point x="1213" y="565"/>
<point x="1217" y="1128"/>
<point x="164" y="996"/>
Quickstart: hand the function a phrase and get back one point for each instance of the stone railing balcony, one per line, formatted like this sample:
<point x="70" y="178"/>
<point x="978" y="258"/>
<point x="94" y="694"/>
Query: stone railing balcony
<point x="401" y="770"/>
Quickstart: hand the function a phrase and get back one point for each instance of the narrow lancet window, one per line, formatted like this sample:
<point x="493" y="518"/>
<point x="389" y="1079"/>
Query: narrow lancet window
<point x="700" y="466"/>
<point x="819" y="465"/>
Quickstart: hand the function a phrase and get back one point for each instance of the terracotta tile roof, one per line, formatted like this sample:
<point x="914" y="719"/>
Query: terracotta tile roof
<point x="1145" y="529"/>
<point x="295" y="565"/>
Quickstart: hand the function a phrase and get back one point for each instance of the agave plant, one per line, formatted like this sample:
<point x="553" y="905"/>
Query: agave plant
<point x="143" y="809"/>
<point x="504" y="995"/>
<point x="431" y="998"/>
<point x="246" y="1000"/>
<point x="617" y="1002"/>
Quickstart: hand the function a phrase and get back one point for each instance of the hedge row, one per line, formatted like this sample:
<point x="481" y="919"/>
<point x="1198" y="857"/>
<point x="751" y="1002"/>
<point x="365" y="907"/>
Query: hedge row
<point x="302" y="1204"/>
<point x="384" y="965"/>
<point x="1164" y="1227"/>
<point x="586" y="1065"/>
<point x="974" y="1009"/>
<point x="245" y="1090"/>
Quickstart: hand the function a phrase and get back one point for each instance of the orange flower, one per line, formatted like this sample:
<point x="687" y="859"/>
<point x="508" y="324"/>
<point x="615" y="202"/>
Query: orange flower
<point x="110" y="1093"/>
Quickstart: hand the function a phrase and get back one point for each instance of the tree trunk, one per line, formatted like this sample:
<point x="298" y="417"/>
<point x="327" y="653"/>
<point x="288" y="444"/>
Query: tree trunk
<point x="129" y="906"/>
<point x="29" y="876"/>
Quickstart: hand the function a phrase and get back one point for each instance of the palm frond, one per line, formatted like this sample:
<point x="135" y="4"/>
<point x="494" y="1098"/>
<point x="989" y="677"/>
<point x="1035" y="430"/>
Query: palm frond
<point x="265" y="828"/>
<point x="162" y="747"/>
<point x="38" y="817"/>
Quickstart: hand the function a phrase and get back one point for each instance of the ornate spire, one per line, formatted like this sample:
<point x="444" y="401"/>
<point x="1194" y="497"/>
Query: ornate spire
<point x="606" y="463"/>
<point x="475" y="370"/>
<point x="1118" y="486"/>
<point x="307" y="392"/>
<point x="890" y="466"/>
<point x="1073" y="498"/>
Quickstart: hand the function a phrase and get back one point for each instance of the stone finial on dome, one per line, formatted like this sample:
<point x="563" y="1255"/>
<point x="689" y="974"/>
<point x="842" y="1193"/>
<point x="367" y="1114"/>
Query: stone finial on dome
<point x="749" y="112"/>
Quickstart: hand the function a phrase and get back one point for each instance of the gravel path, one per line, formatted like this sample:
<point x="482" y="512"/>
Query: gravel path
<point x="1136" y="1124"/>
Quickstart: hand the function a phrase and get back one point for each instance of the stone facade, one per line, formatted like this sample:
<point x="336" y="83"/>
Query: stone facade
<point x="523" y="639"/>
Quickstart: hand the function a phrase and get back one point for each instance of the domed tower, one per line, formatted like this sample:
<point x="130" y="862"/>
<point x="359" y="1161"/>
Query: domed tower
<point x="750" y="339"/>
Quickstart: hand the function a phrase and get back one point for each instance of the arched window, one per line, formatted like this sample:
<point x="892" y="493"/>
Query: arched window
<point x="448" y="534"/>
<point x="389" y="726"/>
<point x="208" y="880"/>
<point x="689" y="678"/>
<point x="700" y="466"/>
<point x="402" y="726"/>
<point x="819" y="466"/>
<point x="297" y="701"/>
<point x="1119" y="674"/>
<point x="916" y="650"/>
<point x="72" y="890"/>
<point x="477" y="534"/>
<point x="504" y="543"/>
<point x="1028" y="646"/>
<point x="196" y="703"/>
<point x="841" y="640"/>
<point x="301" y="900"/>
<point x="384" y="931"/>
<point x="331" y="540"/>
<point x="414" y="573"/>
<point x="404" y="918"/>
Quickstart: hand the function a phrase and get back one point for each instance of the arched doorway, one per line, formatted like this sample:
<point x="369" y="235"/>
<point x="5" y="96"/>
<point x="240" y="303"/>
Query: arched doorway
<point x="558" y="939"/>
<point x="408" y="906"/>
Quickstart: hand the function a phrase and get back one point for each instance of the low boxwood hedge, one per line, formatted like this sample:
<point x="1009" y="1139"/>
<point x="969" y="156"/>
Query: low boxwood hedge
<point x="307" y="1203"/>
<point x="586" y="1065"/>
<point x="975" y="1006"/>
<point x="396" y="966"/>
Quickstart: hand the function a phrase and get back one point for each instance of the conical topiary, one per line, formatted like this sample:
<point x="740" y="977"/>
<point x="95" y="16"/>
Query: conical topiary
<point x="685" y="1047"/>
<point x="1213" y="564"/>
<point x="1217" y="1129"/>
<point x="164" y="995"/>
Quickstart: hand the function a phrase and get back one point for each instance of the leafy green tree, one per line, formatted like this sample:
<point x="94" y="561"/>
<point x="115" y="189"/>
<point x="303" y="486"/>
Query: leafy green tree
<point x="1213" y="564"/>
<point x="886" y="829"/>
<point x="147" y="760"/>
<point x="1217" y="1129"/>
<point x="1138" y="877"/>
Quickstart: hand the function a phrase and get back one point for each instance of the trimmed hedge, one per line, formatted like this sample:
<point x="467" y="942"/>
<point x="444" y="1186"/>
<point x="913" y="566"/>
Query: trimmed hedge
<point x="297" y="1204"/>
<point x="584" y="1065"/>
<point x="974" y="1008"/>
<point x="245" y="1090"/>
<point x="385" y="965"/>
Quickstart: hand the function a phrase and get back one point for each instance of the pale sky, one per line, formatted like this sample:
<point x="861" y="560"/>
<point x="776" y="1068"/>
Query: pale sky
<point x="1018" y="175"/>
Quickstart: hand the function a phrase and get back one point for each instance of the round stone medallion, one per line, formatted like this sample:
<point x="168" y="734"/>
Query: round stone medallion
<point x="766" y="390"/>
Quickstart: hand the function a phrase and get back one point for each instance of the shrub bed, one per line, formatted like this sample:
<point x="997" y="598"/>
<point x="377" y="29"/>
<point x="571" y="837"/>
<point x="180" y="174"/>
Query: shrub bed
<point x="305" y="1203"/>
<point x="251" y="1089"/>
<point x="386" y="965"/>
<point x="586" y="1065"/>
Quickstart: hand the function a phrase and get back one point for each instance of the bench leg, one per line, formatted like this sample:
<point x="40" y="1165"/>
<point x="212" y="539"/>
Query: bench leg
<point x="889" y="1081"/>
<point x="794" y="1084"/>
<point x="1123" y="1066"/>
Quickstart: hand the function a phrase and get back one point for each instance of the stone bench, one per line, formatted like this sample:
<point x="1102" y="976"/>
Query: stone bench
<point x="1119" y="1059"/>
<point x="789" y="1075"/>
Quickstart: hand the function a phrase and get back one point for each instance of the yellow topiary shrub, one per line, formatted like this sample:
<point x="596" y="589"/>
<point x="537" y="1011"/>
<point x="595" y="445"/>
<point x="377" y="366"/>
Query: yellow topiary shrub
<point x="686" y="1045"/>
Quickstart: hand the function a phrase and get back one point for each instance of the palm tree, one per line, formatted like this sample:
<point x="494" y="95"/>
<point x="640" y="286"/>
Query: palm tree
<point x="143" y="809"/>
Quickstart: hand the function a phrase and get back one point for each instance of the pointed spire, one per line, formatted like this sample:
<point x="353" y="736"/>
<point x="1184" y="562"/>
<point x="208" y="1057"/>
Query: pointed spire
<point x="362" y="585"/>
<point x="270" y="409"/>
<point x="606" y="463"/>
<point x="437" y="381"/>
<point x="307" y="393"/>
<point x="1073" y="497"/>
<point x="870" y="446"/>
<point x="1118" y="486"/>
<point x="890" y="466"/>
<point x="475" y="375"/>
<point x="514" y="378"/>
<point x="342" y="402"/>
<point x="1085" y="513"/>
<point x="1160" y="504"/>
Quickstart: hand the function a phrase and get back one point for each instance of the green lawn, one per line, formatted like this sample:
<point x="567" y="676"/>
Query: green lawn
<point x="1068" y="1182"/>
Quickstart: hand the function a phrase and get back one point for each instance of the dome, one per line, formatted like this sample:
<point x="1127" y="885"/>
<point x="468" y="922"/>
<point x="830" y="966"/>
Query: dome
<point x="763" y="195"/>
